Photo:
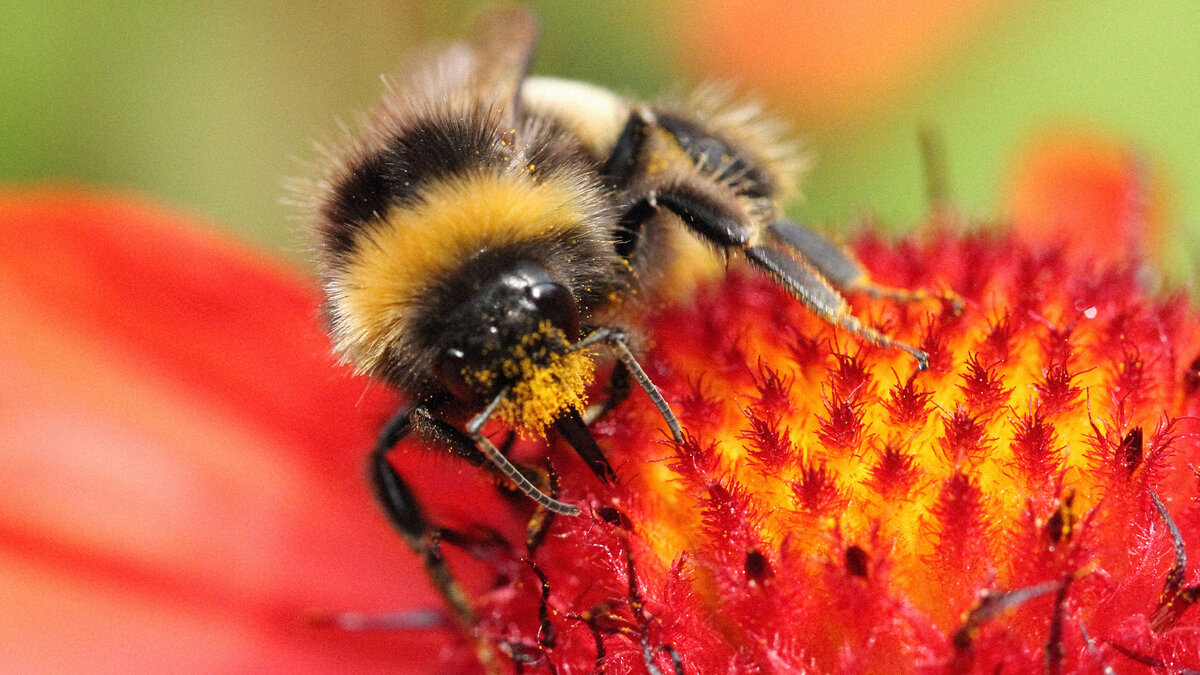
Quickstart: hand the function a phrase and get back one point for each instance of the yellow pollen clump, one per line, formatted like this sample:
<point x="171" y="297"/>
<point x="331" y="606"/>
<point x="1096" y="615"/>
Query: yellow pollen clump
<point x="548" y="381"/>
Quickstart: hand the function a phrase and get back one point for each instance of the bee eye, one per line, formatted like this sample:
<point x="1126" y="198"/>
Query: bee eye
<point x="448" y="368"/>
<point x="557" y="305"/>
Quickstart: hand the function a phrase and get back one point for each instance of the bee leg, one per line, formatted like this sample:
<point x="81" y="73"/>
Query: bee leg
<point x="625" y="158"/>
<point x="509" y="469"/>
<point x="821" y="298"/>
<point x="840" y="269"/>
<point x="624" y="163"/>
<point x="477" y="449"/>
<point x="400" y="505"/>
<point x="402" y="510"/>
<point x="616" y="341"/>
<point x="722" y="225"/>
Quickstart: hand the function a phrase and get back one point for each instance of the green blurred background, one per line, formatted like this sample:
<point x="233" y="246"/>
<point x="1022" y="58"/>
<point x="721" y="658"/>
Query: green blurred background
<point x="210" y="106"/>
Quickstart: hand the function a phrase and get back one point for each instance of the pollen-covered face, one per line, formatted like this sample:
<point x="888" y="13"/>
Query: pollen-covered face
<point x="542" y="375"/>
<point x="516" y="338"/>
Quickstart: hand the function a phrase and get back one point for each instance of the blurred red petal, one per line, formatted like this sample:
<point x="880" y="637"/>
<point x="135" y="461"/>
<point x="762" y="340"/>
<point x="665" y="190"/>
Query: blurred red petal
<point x="184" y="459"/>
<point x="831" y="58"/>
<point x="1093" y="193"/>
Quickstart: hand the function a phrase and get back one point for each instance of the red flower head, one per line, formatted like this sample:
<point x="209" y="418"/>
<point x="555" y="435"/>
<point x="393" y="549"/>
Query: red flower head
<point x="186" y="463"/>
<point x="189" y="466"/>
<point x="183" y="463"/>
<point x="1027" y="503"/>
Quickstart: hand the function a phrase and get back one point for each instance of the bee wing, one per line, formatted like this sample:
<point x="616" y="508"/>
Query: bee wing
<point x="504" y="43"/>
<point x="494" y="61"/>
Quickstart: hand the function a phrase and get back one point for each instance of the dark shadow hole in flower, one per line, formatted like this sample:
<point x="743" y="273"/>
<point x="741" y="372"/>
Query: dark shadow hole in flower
<point x="857" y="561"/>
<point x="1060" y="526"/>
<point x="614" y="517"/>
<point x="1129" y="453"/>
<point x="758" y="568"/>
<point x="1191" y="377"/>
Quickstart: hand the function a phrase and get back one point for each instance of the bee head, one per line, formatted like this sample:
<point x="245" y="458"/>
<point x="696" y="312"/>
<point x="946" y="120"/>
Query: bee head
<point x="516" y="333"/>
<point x="472" y="282"/>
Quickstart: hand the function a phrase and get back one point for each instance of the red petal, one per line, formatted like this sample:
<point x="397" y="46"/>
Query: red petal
<point x="1092" y="193"/>
<point x="831" y="57"/>
<point x="184" y="460"/>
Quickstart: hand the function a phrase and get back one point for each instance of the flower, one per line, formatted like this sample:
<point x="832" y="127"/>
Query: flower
<point x="1026" y="503"/>
<point x="184" y="462"/>
<point x="187" y="459"/>
<point x="829" y="60"/>
<point x="1095" y="192"/>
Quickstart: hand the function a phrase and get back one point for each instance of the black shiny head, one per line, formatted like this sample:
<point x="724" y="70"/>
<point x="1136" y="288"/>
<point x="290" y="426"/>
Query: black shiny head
<point x="517" y="318"/>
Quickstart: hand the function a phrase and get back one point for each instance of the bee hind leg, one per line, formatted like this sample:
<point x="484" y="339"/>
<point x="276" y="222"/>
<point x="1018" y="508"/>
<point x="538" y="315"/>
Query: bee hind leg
<point x="821" y="298"/>
<point x="721" y="223"/>
<point x="841" y="270"/>
<point x="501" y="463"/>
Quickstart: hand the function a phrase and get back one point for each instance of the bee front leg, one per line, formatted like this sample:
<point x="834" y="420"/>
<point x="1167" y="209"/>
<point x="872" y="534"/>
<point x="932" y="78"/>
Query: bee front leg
<point x="402" y="509"/>
<point x="506" y="467"/>
<point x="400" y="506"/>
<point x="615" y="339"/>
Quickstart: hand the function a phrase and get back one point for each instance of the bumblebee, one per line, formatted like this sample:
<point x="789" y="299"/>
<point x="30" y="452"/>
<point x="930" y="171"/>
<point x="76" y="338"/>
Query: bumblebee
<point x="487" y="232"/>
